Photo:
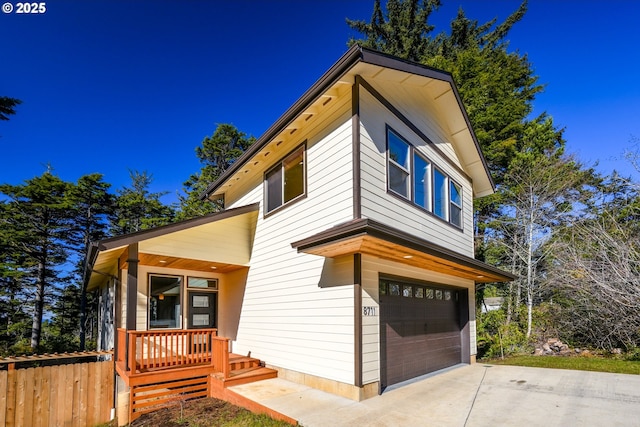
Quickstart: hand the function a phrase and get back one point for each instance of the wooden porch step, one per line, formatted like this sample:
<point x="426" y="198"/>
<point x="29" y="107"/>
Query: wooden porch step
<point x="247" y="375"/>
<point x="238" y="362"/>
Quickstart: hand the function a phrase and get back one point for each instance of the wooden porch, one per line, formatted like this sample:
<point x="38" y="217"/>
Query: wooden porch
<point x="163" y="367"/>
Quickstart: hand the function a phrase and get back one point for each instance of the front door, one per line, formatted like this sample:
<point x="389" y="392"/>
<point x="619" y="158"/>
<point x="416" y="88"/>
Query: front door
<point x="202" y="310"/>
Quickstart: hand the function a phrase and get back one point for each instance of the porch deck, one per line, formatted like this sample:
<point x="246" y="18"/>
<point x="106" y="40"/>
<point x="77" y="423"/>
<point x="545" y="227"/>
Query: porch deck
<point x="165" y="367"/>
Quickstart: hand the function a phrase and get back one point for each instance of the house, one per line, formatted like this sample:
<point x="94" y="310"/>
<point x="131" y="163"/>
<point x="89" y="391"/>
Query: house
<point x="343" y="257"/>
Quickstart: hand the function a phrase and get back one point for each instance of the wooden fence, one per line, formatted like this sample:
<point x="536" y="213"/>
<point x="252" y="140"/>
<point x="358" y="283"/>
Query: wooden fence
<point x="69" y="395"/>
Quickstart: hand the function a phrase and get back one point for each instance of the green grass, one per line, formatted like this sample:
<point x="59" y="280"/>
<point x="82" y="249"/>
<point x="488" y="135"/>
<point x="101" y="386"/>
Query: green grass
<point x="599" y="364"/>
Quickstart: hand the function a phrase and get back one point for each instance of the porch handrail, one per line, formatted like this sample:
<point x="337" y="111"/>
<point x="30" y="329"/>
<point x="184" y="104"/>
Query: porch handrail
<point x="157" y="349"/>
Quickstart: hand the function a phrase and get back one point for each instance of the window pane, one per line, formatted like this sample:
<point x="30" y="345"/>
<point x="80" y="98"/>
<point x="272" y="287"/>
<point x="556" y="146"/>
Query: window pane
<point x="398" y="180"/>
<point x="383" y="288"/>
<point x="455" y="192"/>
<point x="419" y="292"/>
<point x="421" y="182"/>
<point x="439" y="194"/>
<point x="164" y="301"/>
<point x="438" y="294"/>
<point x="429" y="293"/>
<point x="398" y="150"/>
<point x="197" y="282"/>
<point x="293" y="175"/>
<point x="407" y="291"/>
<point x="394" y="289"/>
<point x="274" y="189"/>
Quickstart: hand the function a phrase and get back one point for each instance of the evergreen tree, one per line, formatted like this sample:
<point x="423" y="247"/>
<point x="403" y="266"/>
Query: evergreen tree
<point x="36" y="223"/>
<point x="136" y="208"/>
<point x="14" y="316"/>
<point x="92" y="205"/>
<point x="216" y="154"/>
<point x="8" y="106"/>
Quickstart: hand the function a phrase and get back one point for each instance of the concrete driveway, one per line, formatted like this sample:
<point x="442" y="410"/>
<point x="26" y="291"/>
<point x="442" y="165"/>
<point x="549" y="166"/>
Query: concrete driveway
<point x="476" y="395"/>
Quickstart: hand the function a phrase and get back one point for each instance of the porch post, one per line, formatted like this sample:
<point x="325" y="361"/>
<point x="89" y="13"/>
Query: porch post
<point x="132" y="292"/>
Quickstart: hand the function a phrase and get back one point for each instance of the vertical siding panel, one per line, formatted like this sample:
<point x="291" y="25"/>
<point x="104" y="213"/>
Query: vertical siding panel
<point x="36" y="404"/>
<point x="55" y="393"/>
<point x="65" y="410"/>
<point x="45" y="399"/>
<point x="82" y="378"/>
<point x="4" y="389"/>
<point x="89" y="396"/>
<point x="21" y="397"/>
<point x="10" y="419"/>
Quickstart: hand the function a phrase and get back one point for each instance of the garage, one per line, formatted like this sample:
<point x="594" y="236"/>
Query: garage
<point x="420" y="329"/>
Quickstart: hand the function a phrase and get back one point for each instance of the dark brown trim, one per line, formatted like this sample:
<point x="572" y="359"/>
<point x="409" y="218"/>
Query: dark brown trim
<point x="369" y="227"/>
<point x="465" y="330"/>
<point x="355" y="135"/>
<point x="413" y="127"/>
<point x="132" y="286"/>
<point x="357" y="304"/>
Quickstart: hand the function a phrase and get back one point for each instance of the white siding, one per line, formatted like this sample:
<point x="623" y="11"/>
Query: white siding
<point x="371" y="269"/>
<point x="298" y="309"/>
<point x="379" y="205"/>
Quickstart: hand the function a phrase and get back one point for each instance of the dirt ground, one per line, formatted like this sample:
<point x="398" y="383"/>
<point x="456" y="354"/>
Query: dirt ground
<point x="198" y="412"/>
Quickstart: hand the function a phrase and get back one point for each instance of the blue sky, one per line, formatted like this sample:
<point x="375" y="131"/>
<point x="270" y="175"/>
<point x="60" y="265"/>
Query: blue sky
<point x="109" y="86"/>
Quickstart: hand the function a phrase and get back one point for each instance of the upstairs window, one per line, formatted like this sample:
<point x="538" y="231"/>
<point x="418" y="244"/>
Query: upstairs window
<point x="412" y="176"/>
<point x="399" y="168"/>
<point x="285" y="182"/>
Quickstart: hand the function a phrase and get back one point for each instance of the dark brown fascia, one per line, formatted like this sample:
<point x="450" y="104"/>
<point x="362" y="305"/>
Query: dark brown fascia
<point x="353" y="56"/>
<point x="369" y="227"/>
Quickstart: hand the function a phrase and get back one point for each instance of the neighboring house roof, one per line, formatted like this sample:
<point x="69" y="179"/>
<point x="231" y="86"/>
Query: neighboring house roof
<point x="220" y="241"/>
<point x="435" y="85"/>
<point x="367" y="236"/>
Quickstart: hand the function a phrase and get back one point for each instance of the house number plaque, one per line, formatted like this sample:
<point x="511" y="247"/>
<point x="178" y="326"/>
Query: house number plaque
<point x="369" y="311"/>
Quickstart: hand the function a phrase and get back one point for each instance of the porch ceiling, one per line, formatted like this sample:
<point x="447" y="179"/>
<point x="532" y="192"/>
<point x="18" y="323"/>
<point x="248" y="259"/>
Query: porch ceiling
<point x="368" y="237"/>
<point x="218" y="242"/>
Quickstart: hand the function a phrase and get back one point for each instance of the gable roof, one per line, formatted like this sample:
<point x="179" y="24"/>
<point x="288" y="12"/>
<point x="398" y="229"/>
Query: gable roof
<point x="359" y="60"/>
<point x="222" y="240"/>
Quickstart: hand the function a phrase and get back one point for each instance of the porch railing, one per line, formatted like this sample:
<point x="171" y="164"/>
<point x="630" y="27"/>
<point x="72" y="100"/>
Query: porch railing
<point x="160" y="349"/>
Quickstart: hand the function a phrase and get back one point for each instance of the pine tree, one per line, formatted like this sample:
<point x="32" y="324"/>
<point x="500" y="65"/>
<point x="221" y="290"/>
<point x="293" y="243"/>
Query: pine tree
<point x="36" y="223"/>
<point x="136" y="208"/>
<point x="216" y="154"/>
<point x="92" y="205"/>
<point x="8" y="106"/>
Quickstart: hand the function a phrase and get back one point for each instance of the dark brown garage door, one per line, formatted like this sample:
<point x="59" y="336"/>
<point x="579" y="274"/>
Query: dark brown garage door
<point x="420" y="329"/>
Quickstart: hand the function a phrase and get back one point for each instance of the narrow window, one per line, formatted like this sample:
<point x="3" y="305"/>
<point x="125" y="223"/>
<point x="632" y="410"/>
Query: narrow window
<point x="422" y="182"/>
<point x="455" y="210"/>
<point x="440" y="194"/>
<point x="285" y="182"/>
<point x="399" y="171"/>
<point x="165" y="294"/>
